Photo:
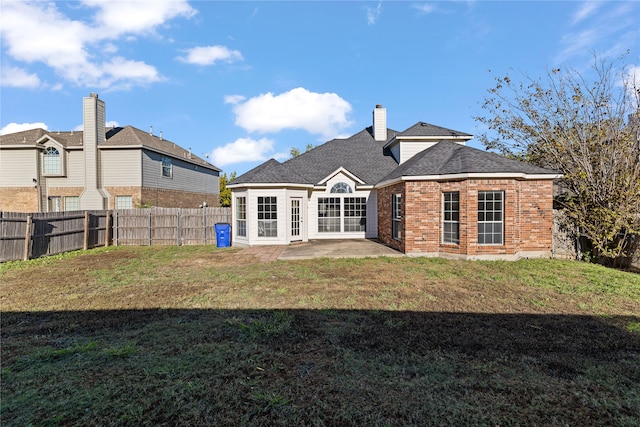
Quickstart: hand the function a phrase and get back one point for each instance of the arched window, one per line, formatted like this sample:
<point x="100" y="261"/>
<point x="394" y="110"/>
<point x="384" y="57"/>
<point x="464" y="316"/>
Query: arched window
<point x="341" y="187"/>
<point x="51" y="162"/>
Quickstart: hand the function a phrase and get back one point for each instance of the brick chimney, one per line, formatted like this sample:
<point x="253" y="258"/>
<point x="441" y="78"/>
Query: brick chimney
<point x="93" y="119"/>
<point x="380" y="123"/>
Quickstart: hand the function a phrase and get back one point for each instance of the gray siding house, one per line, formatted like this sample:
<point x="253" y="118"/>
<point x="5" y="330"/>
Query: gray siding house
<point x="100" y="168"/>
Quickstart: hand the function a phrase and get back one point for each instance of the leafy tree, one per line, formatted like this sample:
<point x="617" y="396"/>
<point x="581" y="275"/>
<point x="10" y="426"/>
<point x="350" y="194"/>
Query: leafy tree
<point x="585" y="125"/>
<point x="225" y="193"/>
<point x="295" y="152"/>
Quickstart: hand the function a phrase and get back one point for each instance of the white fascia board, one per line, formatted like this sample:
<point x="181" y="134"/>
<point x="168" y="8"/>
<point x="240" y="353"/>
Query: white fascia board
<point x="463" y="176"/>
<point x="496" y="175"/>
<point x="343" y="171"/>
<point x="270" y="185"/>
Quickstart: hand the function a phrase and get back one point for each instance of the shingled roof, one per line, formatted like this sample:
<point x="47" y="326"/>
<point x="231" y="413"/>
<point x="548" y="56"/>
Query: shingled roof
<point x="117" y="137"/>
<point x="451" y="158"/>
<point x="371" y="162"/>
<point x="429" y="130"/>
<point x="360" y="154"/>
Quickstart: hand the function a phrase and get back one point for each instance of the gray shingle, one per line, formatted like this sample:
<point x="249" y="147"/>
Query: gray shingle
<point x="360" y="154"/>
<point x="450" y="158"/>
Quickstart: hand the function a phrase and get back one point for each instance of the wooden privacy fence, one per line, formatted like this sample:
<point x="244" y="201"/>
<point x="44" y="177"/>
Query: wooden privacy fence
<point x="167" y="226"/>
<point x="31" y="235"/>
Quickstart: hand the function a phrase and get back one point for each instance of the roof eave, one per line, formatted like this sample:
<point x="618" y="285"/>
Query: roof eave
<point x="269" y="185"/>
<point x="462" y="176"/>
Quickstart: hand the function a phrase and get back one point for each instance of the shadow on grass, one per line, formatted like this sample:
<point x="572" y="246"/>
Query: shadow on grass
<point x="325" y="367"/>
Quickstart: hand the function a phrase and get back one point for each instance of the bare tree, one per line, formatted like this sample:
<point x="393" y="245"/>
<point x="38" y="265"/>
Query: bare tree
<point x="586" y="128"/>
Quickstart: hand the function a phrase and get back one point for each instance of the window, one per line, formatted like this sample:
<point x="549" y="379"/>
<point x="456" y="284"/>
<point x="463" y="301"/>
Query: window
<point x="267" y="217"/>
<point x="72" y="203"/>
<point x="124" y="202"/>
<point x="241" y="216"/>
<point x="451" y="217"/>
<point x="341" y="187"/>
<point x="51" y="162"/>
<point x="167" y="168"/>
<point x="396" y="216"/>
<point x="355" y="214"/>
<point x="490" y="217"/>
<point x="329" y="214"/>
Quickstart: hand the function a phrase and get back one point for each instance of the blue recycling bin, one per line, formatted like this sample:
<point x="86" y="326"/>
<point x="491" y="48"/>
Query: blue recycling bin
<point x="223" y="235"/>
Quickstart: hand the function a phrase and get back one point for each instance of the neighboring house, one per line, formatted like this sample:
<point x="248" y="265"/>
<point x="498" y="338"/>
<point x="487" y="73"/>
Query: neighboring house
<point x="100" y="168"/>
<point x="421" y="191"/>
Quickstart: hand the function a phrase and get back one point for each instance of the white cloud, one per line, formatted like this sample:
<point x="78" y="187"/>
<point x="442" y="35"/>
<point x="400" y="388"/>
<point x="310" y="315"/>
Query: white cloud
<point x="587" y="9"/>
<point x="425" y="7"/>
<point x="116" y="18"/>
<point x="19" y="127"/>
<point x="324" y="114"/>
<point x="208" y="55"/>
<point x="243" y="150"/>
<point x="18" y="77"/>
<point x="80" y="52"/>
<point x="373" y="13"/>
<point x="233" y="99"/>
<point x="607" y="31"/>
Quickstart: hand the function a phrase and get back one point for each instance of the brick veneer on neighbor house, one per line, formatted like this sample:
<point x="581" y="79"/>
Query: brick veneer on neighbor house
<point x="528" y="218"/>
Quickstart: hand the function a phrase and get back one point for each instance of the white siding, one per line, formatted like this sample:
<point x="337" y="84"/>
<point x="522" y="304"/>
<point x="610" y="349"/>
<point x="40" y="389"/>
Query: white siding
<point x="18" y="167"/>
<point x="312" y="216"/>
<point x="242" y="240"/>
<point x="410" y="149"/>
<point x="252" y="216"/>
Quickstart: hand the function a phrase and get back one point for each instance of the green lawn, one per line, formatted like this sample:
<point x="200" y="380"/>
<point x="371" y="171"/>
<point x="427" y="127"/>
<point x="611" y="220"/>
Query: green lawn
<point x="205" y="336"/>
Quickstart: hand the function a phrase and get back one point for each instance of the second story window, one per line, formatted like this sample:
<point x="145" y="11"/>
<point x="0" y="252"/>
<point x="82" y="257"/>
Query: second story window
<point x="167" y="168"/>
<point x="52" y="163"/>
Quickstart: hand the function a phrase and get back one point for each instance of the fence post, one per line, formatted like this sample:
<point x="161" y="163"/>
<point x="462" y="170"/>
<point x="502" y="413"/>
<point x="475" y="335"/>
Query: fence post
<point x="204" y="224"/>
<point x="85" y="245"/>
<point x="115" y="229"/>
<point x="107" y="229"/>
<point x="178" y="227"/>
<point x="27" y="239"/>
<point x="149" y="227"/>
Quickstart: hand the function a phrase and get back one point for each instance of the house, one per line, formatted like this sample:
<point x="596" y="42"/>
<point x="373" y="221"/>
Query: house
<point x="100" y="168"/>
<point x="421" y="191"/>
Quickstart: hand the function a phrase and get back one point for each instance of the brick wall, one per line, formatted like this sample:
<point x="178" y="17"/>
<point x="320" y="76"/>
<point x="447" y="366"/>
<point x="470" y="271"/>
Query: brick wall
<point x="528" y="217"/>
<point x="19" y="199"/>
<point x="177" y="199"/>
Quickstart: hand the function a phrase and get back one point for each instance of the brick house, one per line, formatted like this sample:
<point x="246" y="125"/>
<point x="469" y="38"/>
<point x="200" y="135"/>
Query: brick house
<point x="100" y="168"/>
<point x="421" y="191"/>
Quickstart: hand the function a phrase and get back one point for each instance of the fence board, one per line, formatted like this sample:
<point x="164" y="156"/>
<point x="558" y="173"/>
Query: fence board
<point x="57" y="232"/>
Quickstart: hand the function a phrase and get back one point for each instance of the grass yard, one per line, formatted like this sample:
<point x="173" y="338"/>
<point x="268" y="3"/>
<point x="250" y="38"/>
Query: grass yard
<point x="206" y="336"/>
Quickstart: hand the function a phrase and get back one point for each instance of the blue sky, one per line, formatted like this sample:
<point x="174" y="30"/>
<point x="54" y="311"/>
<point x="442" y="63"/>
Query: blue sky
<point x="245" y="81"/>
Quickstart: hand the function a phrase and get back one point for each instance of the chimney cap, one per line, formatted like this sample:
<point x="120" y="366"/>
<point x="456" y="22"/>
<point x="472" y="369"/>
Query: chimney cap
<point x="378" y="105"/>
